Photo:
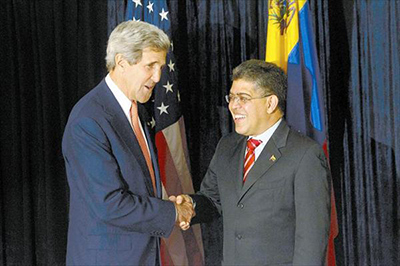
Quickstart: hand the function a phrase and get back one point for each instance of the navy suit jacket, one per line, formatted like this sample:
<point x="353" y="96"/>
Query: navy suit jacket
<point x="114" y="216"/>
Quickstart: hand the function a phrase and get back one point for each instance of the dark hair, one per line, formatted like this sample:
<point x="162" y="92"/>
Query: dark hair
<point x="268" y="78"/>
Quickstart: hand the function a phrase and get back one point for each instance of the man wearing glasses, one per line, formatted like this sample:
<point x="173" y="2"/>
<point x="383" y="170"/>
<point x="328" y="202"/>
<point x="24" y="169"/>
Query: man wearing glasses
<point x="270" y="184"/>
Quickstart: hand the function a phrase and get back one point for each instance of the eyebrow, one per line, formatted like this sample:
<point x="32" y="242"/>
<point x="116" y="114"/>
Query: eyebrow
<point x="240" y="94"/>
<point x="156" y="62"/>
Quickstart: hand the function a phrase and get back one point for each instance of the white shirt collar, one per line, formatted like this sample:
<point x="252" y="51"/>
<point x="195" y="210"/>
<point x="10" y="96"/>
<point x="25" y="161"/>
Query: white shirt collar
<point x="265" y="137"/>
<point x="123" y="101"/>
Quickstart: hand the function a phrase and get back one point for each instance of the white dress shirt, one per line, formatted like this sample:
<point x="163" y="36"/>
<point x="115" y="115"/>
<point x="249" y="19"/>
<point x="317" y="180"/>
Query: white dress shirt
<point x="125" y="104"/>
<point x="264" y="137"/>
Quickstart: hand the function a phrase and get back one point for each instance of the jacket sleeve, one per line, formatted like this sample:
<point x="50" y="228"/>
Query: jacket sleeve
<point x="207" y="200"/>
<point x="94" y="174"/>
<point x="312" y="205"/>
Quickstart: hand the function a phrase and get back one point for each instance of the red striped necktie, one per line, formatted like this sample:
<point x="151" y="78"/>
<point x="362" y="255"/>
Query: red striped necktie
<point x="250" y="157"/>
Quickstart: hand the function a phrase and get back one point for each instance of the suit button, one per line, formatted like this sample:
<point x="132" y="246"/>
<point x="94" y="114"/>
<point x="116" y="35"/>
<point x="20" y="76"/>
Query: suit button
<point x="241" y="205"/>
<point x="239" y="237"/>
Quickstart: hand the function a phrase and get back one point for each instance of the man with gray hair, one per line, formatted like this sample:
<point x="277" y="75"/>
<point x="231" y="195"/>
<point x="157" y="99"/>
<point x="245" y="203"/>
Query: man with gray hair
<point x="116" y="214"/>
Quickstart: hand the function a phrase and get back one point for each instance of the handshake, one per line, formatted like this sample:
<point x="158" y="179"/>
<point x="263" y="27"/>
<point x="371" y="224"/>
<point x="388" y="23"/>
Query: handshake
<point x="185" y="210"/>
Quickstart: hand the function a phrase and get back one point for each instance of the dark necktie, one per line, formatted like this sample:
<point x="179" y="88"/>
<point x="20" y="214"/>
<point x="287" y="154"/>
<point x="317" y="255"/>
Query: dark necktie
<point x="142" y="142"/>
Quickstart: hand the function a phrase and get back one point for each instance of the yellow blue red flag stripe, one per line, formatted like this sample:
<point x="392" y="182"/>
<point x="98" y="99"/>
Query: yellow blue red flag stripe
<point x="291" y="46"/>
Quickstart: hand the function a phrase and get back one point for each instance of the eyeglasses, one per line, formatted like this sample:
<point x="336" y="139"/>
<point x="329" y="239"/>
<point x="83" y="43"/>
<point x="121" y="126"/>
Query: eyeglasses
<point x="242" y="99"/>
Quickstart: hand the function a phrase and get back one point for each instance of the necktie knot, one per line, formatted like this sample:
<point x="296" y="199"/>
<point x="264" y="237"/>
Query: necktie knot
<point x="252" y="144"/>
<point x="249" y="160"/>
<point x="134" y="112"/>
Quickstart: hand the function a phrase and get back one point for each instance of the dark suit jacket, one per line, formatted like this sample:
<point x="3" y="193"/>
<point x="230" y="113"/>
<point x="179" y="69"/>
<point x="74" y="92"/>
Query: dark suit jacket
<point x="281" y="215"/>
<point x="115" y="218"/>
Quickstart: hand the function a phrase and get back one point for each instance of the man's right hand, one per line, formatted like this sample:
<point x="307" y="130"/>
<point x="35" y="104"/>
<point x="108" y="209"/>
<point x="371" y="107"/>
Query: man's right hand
<point x="184" y="206"/>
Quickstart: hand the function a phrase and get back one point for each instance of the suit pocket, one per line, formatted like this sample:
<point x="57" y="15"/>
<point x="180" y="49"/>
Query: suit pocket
<point x="109" y="242"/>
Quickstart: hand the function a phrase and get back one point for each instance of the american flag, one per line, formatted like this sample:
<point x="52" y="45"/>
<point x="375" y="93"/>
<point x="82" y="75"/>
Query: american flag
<point x="182" y="247"/>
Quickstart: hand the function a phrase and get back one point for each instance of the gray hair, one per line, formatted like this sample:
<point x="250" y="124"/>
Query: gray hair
<point x="130" y="38"/>
<point x="267" y="78"/>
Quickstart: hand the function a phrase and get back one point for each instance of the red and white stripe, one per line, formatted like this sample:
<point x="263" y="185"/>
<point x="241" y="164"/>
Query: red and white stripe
<point x="182" y="247"/>
<point x="250" y="157"/>
<point x="248" y="163"/>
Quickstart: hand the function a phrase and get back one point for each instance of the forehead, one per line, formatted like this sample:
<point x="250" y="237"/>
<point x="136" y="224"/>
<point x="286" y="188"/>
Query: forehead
<point x="241" y="86"/>
<point x="153" y="55"/>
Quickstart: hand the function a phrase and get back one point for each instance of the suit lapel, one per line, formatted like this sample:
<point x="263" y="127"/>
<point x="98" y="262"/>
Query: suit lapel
<point x="122" y="128"/>
<point x="154" y="161"/>
<point x="237" y="168"/>
<point x="262" y="165"/>
<point x="268" y="157"/>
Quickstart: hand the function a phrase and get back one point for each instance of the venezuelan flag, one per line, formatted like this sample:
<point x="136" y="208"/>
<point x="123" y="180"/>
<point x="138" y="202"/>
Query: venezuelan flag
<point x="291" y="46"/>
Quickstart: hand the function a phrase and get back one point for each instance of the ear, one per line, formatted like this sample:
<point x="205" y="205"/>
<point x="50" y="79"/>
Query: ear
<point x="120" y="62"/>
<point x="272" y="104"/>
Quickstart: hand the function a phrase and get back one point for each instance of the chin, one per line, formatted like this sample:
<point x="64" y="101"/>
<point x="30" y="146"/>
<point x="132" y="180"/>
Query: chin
<point x="147" y="99"/>
<point x="144" y="99"/>
<point x="239" y="131"/>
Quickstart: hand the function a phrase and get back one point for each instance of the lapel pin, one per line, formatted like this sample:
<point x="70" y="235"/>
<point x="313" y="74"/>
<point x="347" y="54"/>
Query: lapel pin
<point x="273" y="158"/>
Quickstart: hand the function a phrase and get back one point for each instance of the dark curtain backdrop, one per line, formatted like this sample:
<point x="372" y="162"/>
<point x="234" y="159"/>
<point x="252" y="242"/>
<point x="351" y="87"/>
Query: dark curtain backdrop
<point x="363" y="97"/>
<point x="52" y="53"/>
<point x="370" y="175"/>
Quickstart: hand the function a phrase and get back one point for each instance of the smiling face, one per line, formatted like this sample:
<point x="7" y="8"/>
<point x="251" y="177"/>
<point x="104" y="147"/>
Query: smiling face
<point x="255" y="116"/>
<point x="137" y="81"/>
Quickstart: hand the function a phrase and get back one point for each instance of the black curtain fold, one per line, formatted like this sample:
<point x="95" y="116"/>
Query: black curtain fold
<point x="371" y="142"/>
<point x="212" y="37"/>
<point x="52" y="53"/>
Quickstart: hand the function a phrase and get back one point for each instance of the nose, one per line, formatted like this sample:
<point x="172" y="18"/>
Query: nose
<point x="234" y="103"/>
<point x="156" y="75"/>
